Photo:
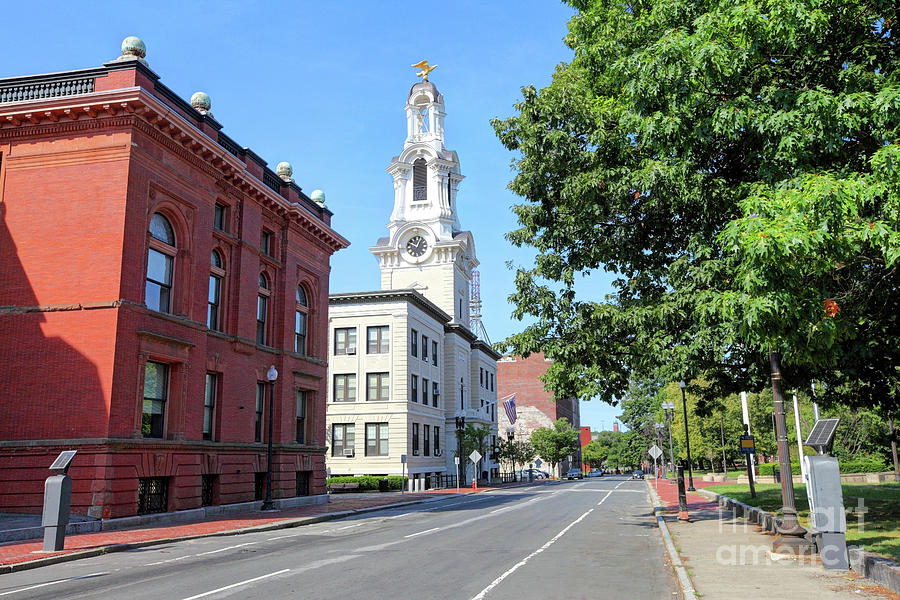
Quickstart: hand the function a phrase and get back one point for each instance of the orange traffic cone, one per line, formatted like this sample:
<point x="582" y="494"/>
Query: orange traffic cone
<point x="474" y="481"/>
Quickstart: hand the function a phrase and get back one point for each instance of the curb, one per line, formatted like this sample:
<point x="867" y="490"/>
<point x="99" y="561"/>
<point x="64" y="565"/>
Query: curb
<point x="875" y="567"/>
<point x="285" y="524"/>
<point x="684" y="581"/>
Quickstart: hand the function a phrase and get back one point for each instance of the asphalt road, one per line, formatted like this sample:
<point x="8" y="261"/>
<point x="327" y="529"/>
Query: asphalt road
<point x="594" y="538"/>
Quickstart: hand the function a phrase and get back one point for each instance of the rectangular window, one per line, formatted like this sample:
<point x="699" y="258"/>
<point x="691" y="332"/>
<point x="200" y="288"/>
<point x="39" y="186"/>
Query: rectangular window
<point x="480" y="376"/>
<point x="266" y="242"/>
<point x="376" y="439"/>
<point x="153" y="495"/>
<point x="434" y="358"/>
<point x="426" y="439"/>
<point x="345" y="340"/>
<point x="377" y="387"/>
<point x="492" y="382"/>
<point x="342" y="438"/>
<point x="425" y="348"/>
<point x="159" y="281"/>
<point x="262" y="309"/>
<point x="208" y="489"/>
<point x="301" y="417"/>
<point x="415" y="440"/>
<point x="437" y="440"/>
<point x="435" y="392"/>
<point x="156" y="385"/>
<point x="258" y="414"/>
<point x="213" y="302"/>
<point x="414" y="343"/>
<point x="377" y="340"/>
<point x="424" y="392"/>
<point x="302" y="483"/>
<point x="219" y="217"/>
<point x="345" y="388"/>
<point x="209" y="405"/>
<point x="300" y="333"/>
<point x="414" y="388"/>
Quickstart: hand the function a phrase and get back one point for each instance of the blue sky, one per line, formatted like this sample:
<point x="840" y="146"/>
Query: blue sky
<point x="323" y="85"/>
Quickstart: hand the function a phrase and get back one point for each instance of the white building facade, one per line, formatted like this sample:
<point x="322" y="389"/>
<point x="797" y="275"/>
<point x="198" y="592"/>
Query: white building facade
<point x="404" y="366"/>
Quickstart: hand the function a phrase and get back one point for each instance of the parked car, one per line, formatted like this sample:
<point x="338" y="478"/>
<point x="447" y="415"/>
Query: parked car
<point x="574" y="474"/>
<point x="596" y="473"/>
<point x="638" y="474"/>
<point x="535" y="474"/>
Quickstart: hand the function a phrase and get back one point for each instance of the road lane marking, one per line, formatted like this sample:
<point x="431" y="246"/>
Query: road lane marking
<point x="522" y="562"/>
<point x="421" y="532"/>
<point x="226" y="548"/>
<point x="234" y="585"/>
<point x="171" y="560"/>
<point x="349" y="526"/>
<point x="40" y="585"/>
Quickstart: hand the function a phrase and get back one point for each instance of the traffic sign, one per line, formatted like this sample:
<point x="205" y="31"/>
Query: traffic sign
<point x="654" y="451"/>
<point x="403" y="459"/>
<point x="475" y="456"/>
<point x="537" y="463"/>
<point x="748" y="445"/>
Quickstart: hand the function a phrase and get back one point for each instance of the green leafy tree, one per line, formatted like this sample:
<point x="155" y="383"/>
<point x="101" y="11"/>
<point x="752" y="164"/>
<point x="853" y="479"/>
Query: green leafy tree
<point x="555" y="443"/>
<point x="516" y="452"/>
<point x="735" y="165"/>
<point x="594" y="454"/>
<point x="473" y="438"/>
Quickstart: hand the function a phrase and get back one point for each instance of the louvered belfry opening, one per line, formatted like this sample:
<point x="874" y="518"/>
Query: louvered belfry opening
<point x="420" y="182"/>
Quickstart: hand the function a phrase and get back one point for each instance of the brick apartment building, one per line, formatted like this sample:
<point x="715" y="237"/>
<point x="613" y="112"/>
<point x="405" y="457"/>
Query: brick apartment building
<point x="535" y="407"/>
<point x="153" y="270"/>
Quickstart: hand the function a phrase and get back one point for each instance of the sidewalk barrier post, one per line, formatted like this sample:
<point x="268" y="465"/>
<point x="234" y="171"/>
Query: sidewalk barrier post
<point x="682" y="497"/>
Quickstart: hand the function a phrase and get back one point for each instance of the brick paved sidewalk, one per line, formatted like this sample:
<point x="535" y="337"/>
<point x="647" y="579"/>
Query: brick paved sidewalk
<point x="14" y="555"/>
<point x="668" y="493"/>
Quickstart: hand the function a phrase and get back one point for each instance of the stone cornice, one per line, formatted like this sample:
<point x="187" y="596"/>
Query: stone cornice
<point x="136" y="106"/>
<point x="384" y="296"/>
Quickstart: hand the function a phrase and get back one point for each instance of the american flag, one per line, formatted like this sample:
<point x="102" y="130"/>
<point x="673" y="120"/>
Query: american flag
<point x="510" y="407"/>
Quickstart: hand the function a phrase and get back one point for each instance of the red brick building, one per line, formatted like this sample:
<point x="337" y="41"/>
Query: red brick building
<point x="153" y="270"/>
<point x="535" y="406"/>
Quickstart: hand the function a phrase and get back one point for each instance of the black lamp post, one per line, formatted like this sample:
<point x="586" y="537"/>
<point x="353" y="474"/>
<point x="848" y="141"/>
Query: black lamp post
<point x="687" y="438"/>
<point x="460" y="426"/>
<point x="271" y="375"/>
<point x="659" y="429"/>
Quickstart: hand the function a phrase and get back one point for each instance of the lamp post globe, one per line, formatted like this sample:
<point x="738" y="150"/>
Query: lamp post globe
<point x="271" y="375"/>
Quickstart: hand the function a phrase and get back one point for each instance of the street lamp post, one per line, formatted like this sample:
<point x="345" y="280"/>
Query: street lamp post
<point x="669" y="409"/>
<point x="271" y="375"/>
<point x="460" y="426"/>
<point x="687" y="437"/>
<point x="510" y="436"/>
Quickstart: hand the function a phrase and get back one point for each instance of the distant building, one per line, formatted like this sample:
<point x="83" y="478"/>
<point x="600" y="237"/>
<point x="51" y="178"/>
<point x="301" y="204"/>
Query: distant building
<point x="535" y="407"/>
<point x="585" y="439"/>
<point x="153" y="271"/>
<point x="404" y="359"/>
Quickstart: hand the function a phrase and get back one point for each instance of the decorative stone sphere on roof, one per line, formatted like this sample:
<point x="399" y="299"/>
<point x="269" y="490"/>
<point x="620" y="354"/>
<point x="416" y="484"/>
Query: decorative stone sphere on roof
<point x="318" y="196"/>
<point x="285" y="171"/>
<point x="133" y="46"/>
<point x="201" y="101"/>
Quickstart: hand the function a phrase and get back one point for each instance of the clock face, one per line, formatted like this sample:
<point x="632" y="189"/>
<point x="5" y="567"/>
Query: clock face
<point x="416" y="246"/>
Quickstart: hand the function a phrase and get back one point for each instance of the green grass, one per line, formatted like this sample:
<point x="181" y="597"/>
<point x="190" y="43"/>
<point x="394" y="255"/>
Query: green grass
<point x="880" y="528"/>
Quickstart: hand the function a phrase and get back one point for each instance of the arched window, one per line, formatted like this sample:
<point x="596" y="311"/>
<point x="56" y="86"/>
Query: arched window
<point x="262" y="309"/>
<point x="420" y="180"/>
<point x="214" y="302"/>
<point x="300" y="321"/>
<point x="160" y="265"/>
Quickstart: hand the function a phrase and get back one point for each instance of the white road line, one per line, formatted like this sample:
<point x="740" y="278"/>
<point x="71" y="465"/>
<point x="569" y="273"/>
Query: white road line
<point x="234" y="585"/>
<point x="227" y="548"/>
<point x="349" y="526"/>
<point x="522" y="562"/>
<point x="40" y="585"/>
<point x="171" y="560"/>
<point x="421" y="532"/>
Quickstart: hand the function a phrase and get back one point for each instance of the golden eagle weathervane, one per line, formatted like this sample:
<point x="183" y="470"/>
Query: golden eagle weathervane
<point x="426" y="69"/>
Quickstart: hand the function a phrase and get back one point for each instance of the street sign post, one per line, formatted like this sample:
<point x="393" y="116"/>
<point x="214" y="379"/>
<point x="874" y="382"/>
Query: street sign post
<point x="655" y="452"/>
<point x="748" y="449"/>
<point x="456" y="460"/>
<point x="475" y="457"/>
<point x="402" y="473"/>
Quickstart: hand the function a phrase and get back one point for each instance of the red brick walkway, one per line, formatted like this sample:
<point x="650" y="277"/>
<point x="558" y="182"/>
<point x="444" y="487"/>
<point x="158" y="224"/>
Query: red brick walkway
<point x="668" y="493"/>
<point x="18" y="552"/>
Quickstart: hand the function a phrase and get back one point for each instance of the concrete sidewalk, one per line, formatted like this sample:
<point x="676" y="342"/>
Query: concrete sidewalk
<point x="726" y="558"/>
<point x="21" y="555"/>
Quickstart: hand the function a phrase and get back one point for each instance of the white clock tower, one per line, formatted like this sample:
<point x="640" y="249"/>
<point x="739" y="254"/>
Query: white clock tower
<point x="426" y="249"/>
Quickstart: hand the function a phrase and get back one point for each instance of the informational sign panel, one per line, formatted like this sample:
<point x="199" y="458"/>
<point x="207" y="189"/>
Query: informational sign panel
<point x="654" y="451"/>
<point x="748" y="445"/>
<point x="403" y="459"/>
<point x="475" y="456"/>
<point x="538" y="463"/>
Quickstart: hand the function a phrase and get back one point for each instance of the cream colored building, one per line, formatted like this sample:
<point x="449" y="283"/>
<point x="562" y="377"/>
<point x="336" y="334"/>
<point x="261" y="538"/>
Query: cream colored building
<point x="404" y="365"/>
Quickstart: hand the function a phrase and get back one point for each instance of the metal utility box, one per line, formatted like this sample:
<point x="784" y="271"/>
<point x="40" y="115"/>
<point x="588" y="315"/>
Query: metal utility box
<point x="826" y="509"/>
